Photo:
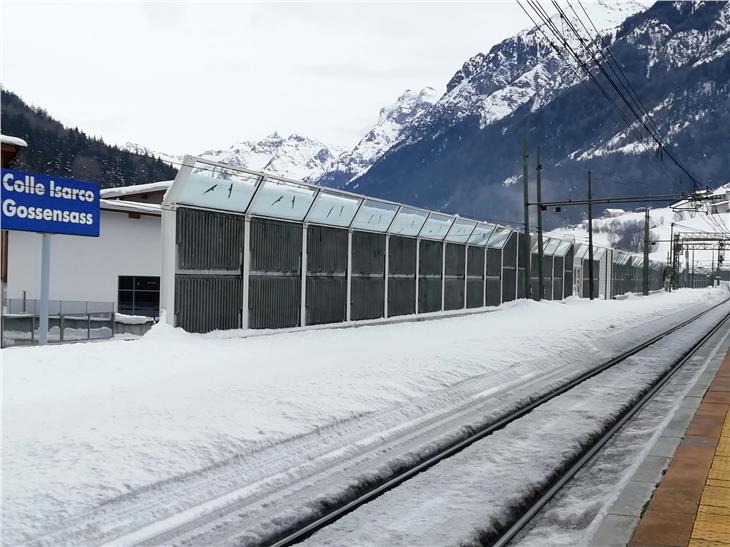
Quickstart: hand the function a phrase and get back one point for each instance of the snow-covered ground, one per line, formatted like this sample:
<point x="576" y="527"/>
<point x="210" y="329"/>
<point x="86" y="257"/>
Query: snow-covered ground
<point x="88" y="425"/>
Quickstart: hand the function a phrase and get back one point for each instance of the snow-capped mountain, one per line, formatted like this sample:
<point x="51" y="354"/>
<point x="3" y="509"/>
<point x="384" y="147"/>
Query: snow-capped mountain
<point x="310" y="160"/>
<point x="294" y="157"/>
<point x="463" y="152"/>
<point x="393" y="123"/>
<point x="521" y="70"/>
<point x="142" y="150"/>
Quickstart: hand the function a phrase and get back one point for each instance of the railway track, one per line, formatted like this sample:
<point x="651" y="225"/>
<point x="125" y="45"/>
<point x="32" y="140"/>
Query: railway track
<point x="300" y="533"/>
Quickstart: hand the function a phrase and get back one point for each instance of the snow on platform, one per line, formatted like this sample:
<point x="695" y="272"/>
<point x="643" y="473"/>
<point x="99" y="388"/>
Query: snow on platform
<point x="86" y="423"/>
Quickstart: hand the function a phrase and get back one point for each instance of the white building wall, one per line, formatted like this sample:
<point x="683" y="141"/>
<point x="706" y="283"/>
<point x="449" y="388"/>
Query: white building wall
<point x="86" y="268"/>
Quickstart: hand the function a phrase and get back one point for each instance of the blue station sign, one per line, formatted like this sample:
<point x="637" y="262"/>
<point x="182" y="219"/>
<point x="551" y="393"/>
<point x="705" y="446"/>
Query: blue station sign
<point x="39" y="203"/>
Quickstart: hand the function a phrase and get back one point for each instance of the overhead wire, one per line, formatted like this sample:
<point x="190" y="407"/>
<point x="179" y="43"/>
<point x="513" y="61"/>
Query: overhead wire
<point x="607" y="49"/>
<point x="633" y="104"/>
<point x="560" y="37"/>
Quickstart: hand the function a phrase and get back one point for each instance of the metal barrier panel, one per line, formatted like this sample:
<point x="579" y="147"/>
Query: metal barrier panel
<point x="326" y="275"/>
<point x="367" y="292"/>
<point x="568" y="272"/>
<point x="558" y="266"/>
<point x="401" y="296"/>
<point x="208" y="302"/>
<point x="534" y="276"/>
<point x="524" y="242"/>
<point x="508" y="284"/>
<point x="547" y="277"/>
<point x="475" y="277"/>
<point x="454" y="294"/>
<point x="494" y="277"/>
<point x="274" y="298"/>
<point x="596" y="273"/>
<point x="274" y="302"/>
<point x="326" y="299"/>
<point x="207" y="240"/>
<point x="368" y="295"/>
<point x="429" y="294"/>
<point x="402" y="256"/>
<point x="401" y="276"/>
<point x="208" y="282"/>
<point x="509" y="269"/>
<point x="429" y="276"/>
<point x="454" y="276"/>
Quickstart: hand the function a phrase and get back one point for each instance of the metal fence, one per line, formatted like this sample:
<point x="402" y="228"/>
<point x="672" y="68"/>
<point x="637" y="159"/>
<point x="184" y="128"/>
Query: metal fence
<point x="244" y="249"/>
<point x="68" y="321"/>
<point x="295" y="274"/>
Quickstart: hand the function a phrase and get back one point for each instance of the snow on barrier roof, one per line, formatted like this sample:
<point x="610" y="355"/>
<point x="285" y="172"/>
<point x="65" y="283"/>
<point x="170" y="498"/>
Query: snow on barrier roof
<point x="499" y="238"/>
<point x="563" y="247"/>
<point x="551" y="246"/>
<point x="213" y="185"/>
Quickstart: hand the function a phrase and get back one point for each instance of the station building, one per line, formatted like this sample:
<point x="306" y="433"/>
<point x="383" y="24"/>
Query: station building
<point x="121" y="266"/>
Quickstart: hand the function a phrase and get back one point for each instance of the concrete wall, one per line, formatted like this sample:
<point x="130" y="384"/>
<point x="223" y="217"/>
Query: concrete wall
<point x="86" y="268"/>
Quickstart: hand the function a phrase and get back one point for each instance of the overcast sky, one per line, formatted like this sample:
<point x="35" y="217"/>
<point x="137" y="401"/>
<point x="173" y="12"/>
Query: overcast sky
<point x="186" y="77"/>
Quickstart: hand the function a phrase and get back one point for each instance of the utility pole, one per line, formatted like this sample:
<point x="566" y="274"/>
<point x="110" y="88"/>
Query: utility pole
<point x="645" y="271"/>
<point x="541" y="273"/>
<point x="527" y="250"/>
<point x="590" y="239"/>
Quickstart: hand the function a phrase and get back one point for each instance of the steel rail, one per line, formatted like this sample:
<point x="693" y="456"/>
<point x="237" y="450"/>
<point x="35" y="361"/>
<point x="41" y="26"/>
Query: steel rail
<point x="299" y="534"/>
<point x="601" y="441"/>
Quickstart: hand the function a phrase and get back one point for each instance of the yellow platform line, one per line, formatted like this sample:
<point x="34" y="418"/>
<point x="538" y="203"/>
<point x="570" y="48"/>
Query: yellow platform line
<point x="712" y="524"/>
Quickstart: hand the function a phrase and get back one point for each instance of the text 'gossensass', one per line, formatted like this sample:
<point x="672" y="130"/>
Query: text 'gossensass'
<point x="28" y="185"/>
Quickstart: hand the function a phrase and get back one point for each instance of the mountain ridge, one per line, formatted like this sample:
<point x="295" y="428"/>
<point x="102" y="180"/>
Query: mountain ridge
<point x="674" y="54"/>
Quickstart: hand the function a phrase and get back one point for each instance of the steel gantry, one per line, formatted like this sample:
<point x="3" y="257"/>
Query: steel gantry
<point x="684" y="242"/>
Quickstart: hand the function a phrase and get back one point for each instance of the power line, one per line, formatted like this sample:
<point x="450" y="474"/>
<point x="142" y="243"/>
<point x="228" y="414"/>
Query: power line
<point x="561" y="38"/>
<point x="655" y="135"/>
<point x="606" y="49"/>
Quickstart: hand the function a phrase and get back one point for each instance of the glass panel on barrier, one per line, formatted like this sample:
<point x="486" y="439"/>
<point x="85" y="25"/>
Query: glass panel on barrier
<point x="280" y="199"/>
<point x="374" y="215"/>
<point x="580" y="252"/>
<point x="499" y="238"/>
<point x="481" y="234"/>
<point x="437" y="226"/>
<point x="598" y="253"/>
<point x="408" y="221"/>
<point x="533" y="243"/>
<point x="563" y="248"/>
<point x="551" y="246"/>
<point x="333" y="209"/>
<point x="217" y="188"/>
<point x="460" y="230"/>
